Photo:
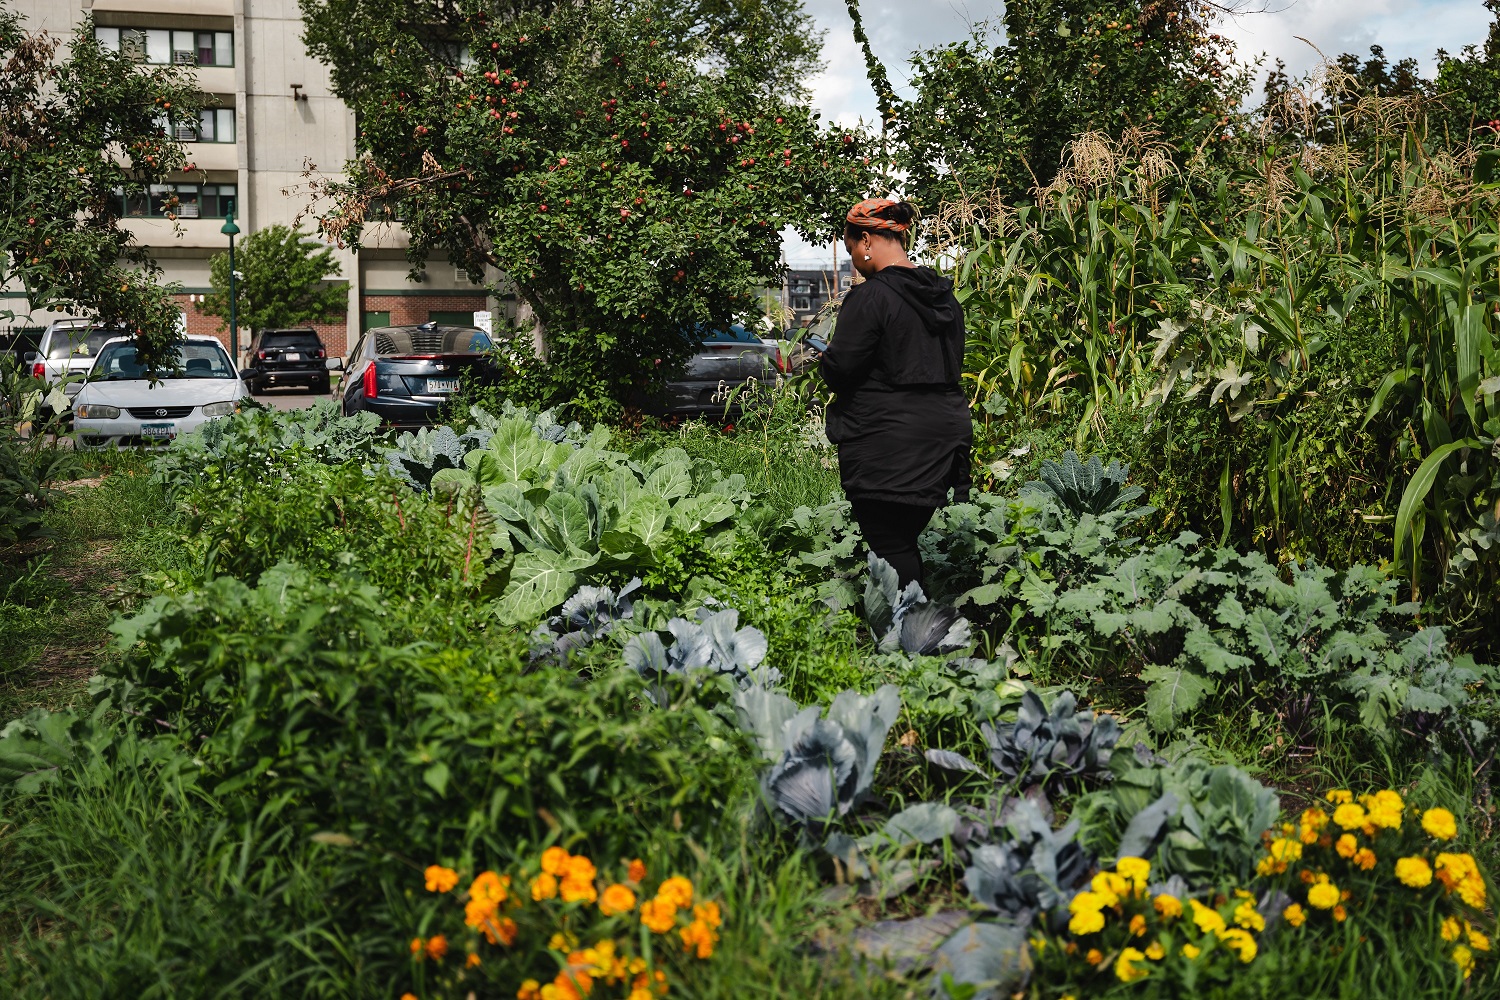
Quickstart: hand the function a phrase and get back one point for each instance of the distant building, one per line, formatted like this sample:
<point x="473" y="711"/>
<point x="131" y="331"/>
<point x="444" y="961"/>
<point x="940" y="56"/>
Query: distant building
<point x="272" y="111"/>
<point x="808" y="291"/>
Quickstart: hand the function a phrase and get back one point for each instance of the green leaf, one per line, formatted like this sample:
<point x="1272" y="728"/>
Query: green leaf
<point x="1421" y="484"/>
<point x="436" y="777"/>
<point x="539" y="582"/>
<point x="1173" y="692"/>
<point x="1201" y="646"/>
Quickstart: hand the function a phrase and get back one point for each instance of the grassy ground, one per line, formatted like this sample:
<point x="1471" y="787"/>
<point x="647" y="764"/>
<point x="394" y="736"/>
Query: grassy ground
<point x="59" y="594"/>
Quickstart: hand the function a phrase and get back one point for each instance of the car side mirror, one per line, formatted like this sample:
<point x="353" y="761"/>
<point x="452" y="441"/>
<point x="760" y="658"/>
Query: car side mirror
<point x="334" y="364"/>
<point x="30" y="358"/>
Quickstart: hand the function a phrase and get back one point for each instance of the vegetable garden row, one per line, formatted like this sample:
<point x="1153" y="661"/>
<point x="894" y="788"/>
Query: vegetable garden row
<point x="518" y="708"/>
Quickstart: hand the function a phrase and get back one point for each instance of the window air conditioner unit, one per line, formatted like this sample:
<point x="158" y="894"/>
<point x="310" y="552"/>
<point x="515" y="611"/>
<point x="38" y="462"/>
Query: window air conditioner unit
<point x="185" y="133"/>
<point x="187" y="211"/>
<point x="184" y="57"/>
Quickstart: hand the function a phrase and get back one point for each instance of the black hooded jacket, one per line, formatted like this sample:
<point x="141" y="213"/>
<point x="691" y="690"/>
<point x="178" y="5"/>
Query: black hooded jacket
<point x="900" y="419"/>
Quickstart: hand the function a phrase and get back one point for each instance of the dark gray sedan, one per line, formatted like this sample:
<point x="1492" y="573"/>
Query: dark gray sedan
<point x="727" y="361"/>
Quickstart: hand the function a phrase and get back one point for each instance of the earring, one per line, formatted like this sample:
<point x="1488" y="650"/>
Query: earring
<point x="867" y="256"/>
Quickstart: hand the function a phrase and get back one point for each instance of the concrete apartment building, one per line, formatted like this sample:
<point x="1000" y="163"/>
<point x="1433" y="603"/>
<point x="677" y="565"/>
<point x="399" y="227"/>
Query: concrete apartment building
<point x="274" y="113"/>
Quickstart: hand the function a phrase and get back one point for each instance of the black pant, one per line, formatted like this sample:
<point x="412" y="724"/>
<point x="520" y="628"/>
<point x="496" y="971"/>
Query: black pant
<point x="891" y="530"/>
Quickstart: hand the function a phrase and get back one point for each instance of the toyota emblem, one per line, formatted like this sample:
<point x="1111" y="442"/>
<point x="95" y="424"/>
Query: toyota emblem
<point x="161" y="412"/>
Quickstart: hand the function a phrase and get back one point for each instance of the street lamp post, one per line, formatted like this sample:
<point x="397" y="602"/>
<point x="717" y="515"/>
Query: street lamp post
<point x="231" y="230"/>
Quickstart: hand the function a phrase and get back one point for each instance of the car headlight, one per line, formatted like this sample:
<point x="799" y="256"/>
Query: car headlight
<point x="219" y="409"/>
<point x="96" y="411"/>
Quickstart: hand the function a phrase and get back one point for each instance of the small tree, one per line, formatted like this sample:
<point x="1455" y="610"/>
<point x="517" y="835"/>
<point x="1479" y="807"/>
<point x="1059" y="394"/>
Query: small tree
<point x="78" y="137"/>
<point x="283" y="281"/>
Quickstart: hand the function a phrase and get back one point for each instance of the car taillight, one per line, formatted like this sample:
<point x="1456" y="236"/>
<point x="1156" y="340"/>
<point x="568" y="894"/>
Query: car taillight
<point x="371" y="388"/>
<point x="261" y="355"/>
<point x="781" y="364"/>
<point x="39" y="370"/>
<point x="322" y="353"/>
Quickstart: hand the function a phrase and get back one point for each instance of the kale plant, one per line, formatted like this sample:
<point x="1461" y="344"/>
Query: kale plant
<point x="416" y="458"/>
<point x="1088" y="487"/>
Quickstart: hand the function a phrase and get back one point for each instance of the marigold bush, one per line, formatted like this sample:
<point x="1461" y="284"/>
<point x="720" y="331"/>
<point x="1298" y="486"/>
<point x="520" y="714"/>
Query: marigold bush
<point x="566" y="935"/>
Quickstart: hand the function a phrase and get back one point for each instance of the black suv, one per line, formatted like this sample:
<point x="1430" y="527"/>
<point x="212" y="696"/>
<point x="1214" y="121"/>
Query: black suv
<point x="287" y="357"/>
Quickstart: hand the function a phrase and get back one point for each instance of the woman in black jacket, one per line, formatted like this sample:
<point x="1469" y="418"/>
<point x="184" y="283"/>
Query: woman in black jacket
<point x="900" y="419"/>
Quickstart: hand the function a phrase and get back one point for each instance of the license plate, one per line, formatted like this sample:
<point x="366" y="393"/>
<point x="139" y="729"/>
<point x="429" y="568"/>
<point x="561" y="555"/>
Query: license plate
<point x="294" y="357"/>
<point x="158" y="430"/>
<point x="442" y="385"/>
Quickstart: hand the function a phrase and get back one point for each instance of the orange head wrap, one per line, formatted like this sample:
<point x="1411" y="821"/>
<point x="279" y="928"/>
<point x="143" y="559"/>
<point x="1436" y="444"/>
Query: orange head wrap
<point x="863" y="215"/>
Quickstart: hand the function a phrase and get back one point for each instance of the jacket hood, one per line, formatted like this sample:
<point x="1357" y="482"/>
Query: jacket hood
<point x="926" y="291"/>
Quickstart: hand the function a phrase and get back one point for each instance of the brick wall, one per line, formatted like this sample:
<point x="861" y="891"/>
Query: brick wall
<point x="409" y="310"/>
<point x="405" y="310"/>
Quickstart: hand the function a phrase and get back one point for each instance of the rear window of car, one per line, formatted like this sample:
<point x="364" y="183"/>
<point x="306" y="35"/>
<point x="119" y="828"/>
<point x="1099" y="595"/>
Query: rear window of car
<point x="81" y="343"/>
<point x="734" y="335"/>
<point x="396" y="341"/>
<point x="294" y="338"/>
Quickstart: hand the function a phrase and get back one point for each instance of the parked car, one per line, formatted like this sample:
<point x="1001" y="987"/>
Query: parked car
<point x="119" y="404"/>
<point x="68" y="348"/>
<point x="287" y="357"/>
<point x="405" y="374"/>
<point x="727" y="360"/>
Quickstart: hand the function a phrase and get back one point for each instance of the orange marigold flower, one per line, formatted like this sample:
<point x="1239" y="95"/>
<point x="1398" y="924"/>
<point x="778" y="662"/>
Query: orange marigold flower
<point x="417" y="948"/>
<point x="555" y="860"/>
<point x="472" y="961"/>
<point x="408" y="996"/>
<point x="679" y="890"/>
<point x="700" y="938"/>
<point x="1138" y="925"/>
<point x="580" y="868"/>
<point x="500" y="930"/>
<point x="1295" y="915"/>
<point x="437" y="947"/>
<point x="708" y="913"/>
<point x="489" y="888"/>
<point x="1094" y="956"/>
<point x="659" y="915"/>
<point x="530" y="990"/>
<point x="1347" y="846"/>
<point x="616" y="899"/>
<point x="636" y="871"/>
<point x="544" y="886"/>
<point x="575" y="890"/>
<point x="440" y="879"/>
<point x="1364" y="858"/>
<point x="1339" y="913"/>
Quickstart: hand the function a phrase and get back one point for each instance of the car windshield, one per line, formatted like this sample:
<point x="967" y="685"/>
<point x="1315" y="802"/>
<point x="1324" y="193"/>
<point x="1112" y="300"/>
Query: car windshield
<point x="79" y="343"/>
<point x="118" y="362"/>
<point x="822" y="324"/>
<point x="308" y="341"/>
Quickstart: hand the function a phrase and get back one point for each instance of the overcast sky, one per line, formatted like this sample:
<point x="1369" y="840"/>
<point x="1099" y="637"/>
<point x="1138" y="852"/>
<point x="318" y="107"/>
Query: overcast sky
<point x="1405" y="27"/>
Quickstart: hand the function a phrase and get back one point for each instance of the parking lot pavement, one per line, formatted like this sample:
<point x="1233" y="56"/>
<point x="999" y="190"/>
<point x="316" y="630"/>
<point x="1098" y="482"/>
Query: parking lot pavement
<point x="290" y="398"/>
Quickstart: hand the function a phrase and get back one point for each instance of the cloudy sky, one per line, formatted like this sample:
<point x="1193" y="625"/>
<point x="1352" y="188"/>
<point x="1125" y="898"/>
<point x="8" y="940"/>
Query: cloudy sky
<point x="1405" y="27"/>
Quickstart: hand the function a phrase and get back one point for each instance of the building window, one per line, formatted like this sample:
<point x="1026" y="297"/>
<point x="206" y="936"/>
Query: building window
<point x="801" y="304"/>
<point x="214" y="125"/>
<point x="183" y="201"/>
<point x="164" y="46"/>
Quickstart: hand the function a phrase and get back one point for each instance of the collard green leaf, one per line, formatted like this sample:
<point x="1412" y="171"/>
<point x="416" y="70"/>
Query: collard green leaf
<point x="1173" y="692"/>
<point x="539" y="582"/>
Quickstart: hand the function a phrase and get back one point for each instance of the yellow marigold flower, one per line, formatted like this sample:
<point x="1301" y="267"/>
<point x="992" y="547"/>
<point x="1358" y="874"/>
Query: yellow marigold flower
<point x="1087" y="902"/>
<point x="679" y="890"/>
<point x="1155" y="951"/>
<point x="1241" y="942"/>
<point x="1364" y="858"/>
<point x="659" y="915"/>
<point x="555" y="861"/>
<point x="544" y="886"/>
<point x="1415" y="872"/>
<point x="1294" y="915"/>
<point x="437" y="947"/>
<point x="1313" y="818"/>
<point x="1323" y="896"/>
<point x="1168" y="907"/>
<point x="530" y="990"/>
<point x="1339" y="796"/>
<point x="1094" y="956"/>
<point x="699" y="938"/>
<point x="636" y="871"/>
<point x="1191" y="951"/>
<point x="575" y="890"/>
<point x="1208" y="921"/>
<point x="616" y="899"/>
<point x="1086" y="922"/>
<point x="490" y="888"/>
<point x="1110" y="886"/>
<point x="1451" y="929"/>
<point x="1478" y="941"/>
<point x="1269" y="866"/>
<point x="1439" y="823"/>
<point x="1137" y="870"/>
<point x="1125" y="968"/>
<point x="418" y="949"/>
<point x="640" y="993"/>
<point x="708" y="913"/>
<point x="440" y="879"/>
<point x="1138" y="925"/>
<point x="473" y="961"/>
<point x="562" y="942"/>
<point x="1346" y="846"/>
<point x="1464" y="958"/>
<point x="1349" y="816"/>
<point x="1248" y="917"/>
